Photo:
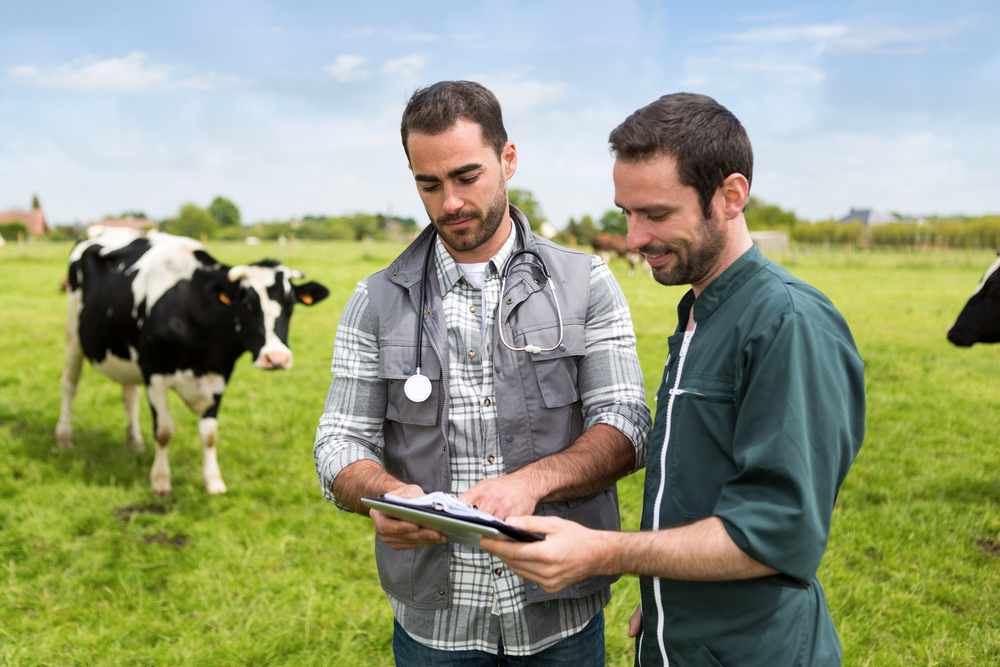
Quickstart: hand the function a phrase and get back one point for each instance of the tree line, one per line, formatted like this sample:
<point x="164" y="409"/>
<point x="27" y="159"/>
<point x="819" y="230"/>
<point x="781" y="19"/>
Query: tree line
<point x="221" y="219"/>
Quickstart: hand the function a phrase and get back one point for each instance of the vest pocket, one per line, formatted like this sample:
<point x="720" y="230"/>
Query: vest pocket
<point x="556" y="371"/>
<point x="396" y="364"/>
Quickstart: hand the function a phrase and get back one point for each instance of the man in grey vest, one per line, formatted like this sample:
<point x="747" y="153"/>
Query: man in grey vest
<point x="535" y="402"/>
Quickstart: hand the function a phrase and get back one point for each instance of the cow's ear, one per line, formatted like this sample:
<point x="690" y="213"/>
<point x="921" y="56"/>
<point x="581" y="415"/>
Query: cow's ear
<point x="222" y="291"/>
<point x="310" y="293"/>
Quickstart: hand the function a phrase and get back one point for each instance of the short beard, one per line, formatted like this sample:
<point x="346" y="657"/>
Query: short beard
<point x="489" y="222"/>
<point x="691" y="262"/>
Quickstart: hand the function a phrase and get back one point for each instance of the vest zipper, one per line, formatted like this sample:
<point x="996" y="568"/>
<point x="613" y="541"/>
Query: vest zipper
<point x="673" y="393"/>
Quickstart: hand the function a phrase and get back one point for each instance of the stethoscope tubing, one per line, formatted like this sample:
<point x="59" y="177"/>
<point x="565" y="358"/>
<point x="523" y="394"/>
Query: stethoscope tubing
<point x="418" y="387"/>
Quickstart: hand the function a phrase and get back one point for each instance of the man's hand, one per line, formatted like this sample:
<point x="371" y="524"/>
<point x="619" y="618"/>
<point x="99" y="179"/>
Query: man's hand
<point x="635" y="623"/>
<point x="569" y="553"/>
<point x="403" y="534"/>
<point x="502" y="497"/>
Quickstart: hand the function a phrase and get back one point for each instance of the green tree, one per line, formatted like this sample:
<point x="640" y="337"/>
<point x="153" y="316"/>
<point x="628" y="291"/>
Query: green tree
<point x="613" y="222"/>
<point x="225" y="212"/>
<point x="525" y="201"/>
<point x="761" y="215"/>
<point x="192" y="221"/>
<point x="34" y="202"/>
<point x="584" y="230"/>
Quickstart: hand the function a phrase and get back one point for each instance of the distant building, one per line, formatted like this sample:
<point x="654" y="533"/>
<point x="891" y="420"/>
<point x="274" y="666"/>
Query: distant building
<point x="34" y="220"/>
<point x="870" y="217"/>
<point x="137" y="225"/>
<point x="773" y="242"/>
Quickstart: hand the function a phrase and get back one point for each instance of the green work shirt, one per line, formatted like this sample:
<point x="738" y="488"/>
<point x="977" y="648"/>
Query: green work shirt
<point x="759" y="416"/>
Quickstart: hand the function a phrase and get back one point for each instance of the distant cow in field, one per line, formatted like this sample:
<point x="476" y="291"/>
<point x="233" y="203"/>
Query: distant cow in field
<point x="161" y="312"/>
<point x="979" y="321"/>
<point x="607" y="246"/>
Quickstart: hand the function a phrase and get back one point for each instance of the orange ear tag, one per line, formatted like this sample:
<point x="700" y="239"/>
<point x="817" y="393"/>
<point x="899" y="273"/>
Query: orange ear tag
<point x="306" y="299"/>
<point x="224" y="298"/>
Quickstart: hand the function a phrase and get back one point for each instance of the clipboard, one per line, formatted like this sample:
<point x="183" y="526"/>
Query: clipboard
<point x="465" y="528"/>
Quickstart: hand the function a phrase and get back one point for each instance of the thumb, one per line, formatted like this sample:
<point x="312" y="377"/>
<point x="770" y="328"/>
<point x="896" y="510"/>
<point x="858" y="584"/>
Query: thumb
<point x="537" y="524"/>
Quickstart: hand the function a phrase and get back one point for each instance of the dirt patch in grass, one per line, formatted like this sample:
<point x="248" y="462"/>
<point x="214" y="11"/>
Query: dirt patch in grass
<point x="992" y="548"/>
<point x="161" y="538"/>
<point x="126" y="513"/>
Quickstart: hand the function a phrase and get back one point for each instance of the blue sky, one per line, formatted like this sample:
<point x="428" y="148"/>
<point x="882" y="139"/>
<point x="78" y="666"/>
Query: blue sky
<point x="293" y="108"/>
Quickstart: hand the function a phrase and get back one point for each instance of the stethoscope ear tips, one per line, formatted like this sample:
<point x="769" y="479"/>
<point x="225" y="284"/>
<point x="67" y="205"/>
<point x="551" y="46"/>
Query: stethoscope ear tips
<point x="534" y="349"/>
<point x="417" y="388"/>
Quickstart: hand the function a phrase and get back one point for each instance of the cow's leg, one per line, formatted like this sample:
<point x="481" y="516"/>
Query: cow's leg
<point x="72" y="366"/>
<point x="130" y="396"/>
<point x="163" y="427"/>
<point x="208" y="429"/>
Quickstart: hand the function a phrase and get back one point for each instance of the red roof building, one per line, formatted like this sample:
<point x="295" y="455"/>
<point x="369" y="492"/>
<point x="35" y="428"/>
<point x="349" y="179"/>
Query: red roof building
<point x="34" y="220"/>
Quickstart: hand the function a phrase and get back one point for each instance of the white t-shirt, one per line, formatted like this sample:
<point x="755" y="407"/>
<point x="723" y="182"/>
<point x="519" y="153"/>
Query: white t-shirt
<point x="475" y="273"/>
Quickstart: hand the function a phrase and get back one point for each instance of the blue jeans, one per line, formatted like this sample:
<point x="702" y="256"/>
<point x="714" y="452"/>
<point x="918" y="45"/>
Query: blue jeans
<point x="584" y="649"/>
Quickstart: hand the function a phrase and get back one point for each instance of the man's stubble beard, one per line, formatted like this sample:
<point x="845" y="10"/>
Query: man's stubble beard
<point x="691" y="262"/>
<point x="472" y="238"/>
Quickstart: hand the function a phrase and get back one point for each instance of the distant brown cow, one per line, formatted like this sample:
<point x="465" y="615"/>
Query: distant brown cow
<point x="607" y="246"/>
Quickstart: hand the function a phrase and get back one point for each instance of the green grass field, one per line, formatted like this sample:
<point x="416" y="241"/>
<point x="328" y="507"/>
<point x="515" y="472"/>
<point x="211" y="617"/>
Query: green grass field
<point x="94" y="570"/>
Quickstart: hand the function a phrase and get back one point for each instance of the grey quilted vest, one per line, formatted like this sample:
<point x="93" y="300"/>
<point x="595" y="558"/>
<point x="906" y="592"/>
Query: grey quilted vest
<point x="537" y="399"/>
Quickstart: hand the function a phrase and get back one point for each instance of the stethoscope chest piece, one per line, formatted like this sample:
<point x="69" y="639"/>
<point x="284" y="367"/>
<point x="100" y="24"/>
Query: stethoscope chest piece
<point x="417" y="388"/>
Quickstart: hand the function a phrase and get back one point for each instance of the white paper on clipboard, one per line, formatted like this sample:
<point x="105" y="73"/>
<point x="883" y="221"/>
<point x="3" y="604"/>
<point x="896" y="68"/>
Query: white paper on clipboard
<point x="447" y="514"/>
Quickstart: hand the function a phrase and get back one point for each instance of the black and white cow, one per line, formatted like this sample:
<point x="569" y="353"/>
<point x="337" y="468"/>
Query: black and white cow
<point x="161" y="312"/>
<point x="979" y="321"/>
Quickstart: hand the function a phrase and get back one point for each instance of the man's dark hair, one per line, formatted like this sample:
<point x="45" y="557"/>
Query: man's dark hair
<point x="707" y="141"/>
<point x="434" y="109"/>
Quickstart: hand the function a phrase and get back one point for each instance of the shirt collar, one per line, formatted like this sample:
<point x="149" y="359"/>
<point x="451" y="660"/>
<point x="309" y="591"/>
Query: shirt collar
<point x="449" y="274"/>
<point x="723" y="287"/>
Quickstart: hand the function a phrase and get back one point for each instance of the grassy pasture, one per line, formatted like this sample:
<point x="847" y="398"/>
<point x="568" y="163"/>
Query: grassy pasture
<point x="95" y="570"/>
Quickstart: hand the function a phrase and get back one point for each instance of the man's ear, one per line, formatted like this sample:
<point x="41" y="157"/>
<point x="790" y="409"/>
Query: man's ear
<point x="508" y="159"/>
<point x="311" y="293"/>
<point x="735" y="192"/>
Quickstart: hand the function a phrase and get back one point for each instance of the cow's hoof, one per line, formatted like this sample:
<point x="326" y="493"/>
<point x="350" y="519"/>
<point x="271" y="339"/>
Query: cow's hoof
<point x="161" y="487"/>
<point x="137" y="445"/>
<point x="162" y="493"/>
<point x="215" y="486"/>
<point x="64" y="439"/>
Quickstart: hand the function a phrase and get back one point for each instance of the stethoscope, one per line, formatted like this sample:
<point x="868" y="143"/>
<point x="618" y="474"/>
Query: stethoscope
<point x="418" y="387"/>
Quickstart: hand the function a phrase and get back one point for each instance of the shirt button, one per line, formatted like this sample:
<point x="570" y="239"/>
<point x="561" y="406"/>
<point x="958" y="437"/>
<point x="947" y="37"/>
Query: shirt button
<point x="441" y="592"/>
<point x="490" y="459"/>
<point x="498" y="571"/>
<point x="472" y="353"/>
<point x="509" y="438"/>
<point x="510" y="301"/>
<point x="496" y="368"/>
<point x="486" y="402"/>
<point x="562" y="348"/>
<point x="472" y="309"/>
<point x="534" y="587"/>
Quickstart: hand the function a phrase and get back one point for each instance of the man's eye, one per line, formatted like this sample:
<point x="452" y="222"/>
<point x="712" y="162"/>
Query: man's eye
<point x="470" y="180"/>
<point x="429" y="188"/>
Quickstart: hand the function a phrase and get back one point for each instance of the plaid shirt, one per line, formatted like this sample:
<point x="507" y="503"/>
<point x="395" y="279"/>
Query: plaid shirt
<point x="487" y="598"/>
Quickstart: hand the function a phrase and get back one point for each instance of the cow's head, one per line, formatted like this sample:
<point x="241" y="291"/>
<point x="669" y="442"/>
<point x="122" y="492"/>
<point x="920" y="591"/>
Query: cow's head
<point x="266" y="297"/>
<point x="979" y="321"/>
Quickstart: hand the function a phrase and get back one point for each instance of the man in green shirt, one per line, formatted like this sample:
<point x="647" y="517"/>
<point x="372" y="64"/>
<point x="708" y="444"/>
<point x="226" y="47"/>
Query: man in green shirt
<point x="759" y="417"/>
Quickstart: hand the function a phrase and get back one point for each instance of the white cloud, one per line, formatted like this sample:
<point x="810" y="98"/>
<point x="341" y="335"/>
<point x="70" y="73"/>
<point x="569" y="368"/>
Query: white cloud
<point x="404" y="67"/>
<point x="844" y="38"/>
<point x="518" y="98"/>
<point x="131" y="74"/>
<point x="347" y="68"/>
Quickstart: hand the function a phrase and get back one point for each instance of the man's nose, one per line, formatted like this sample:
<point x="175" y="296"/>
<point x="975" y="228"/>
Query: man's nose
<point x="637" y="235"/>
<point x="452" y="201"/>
